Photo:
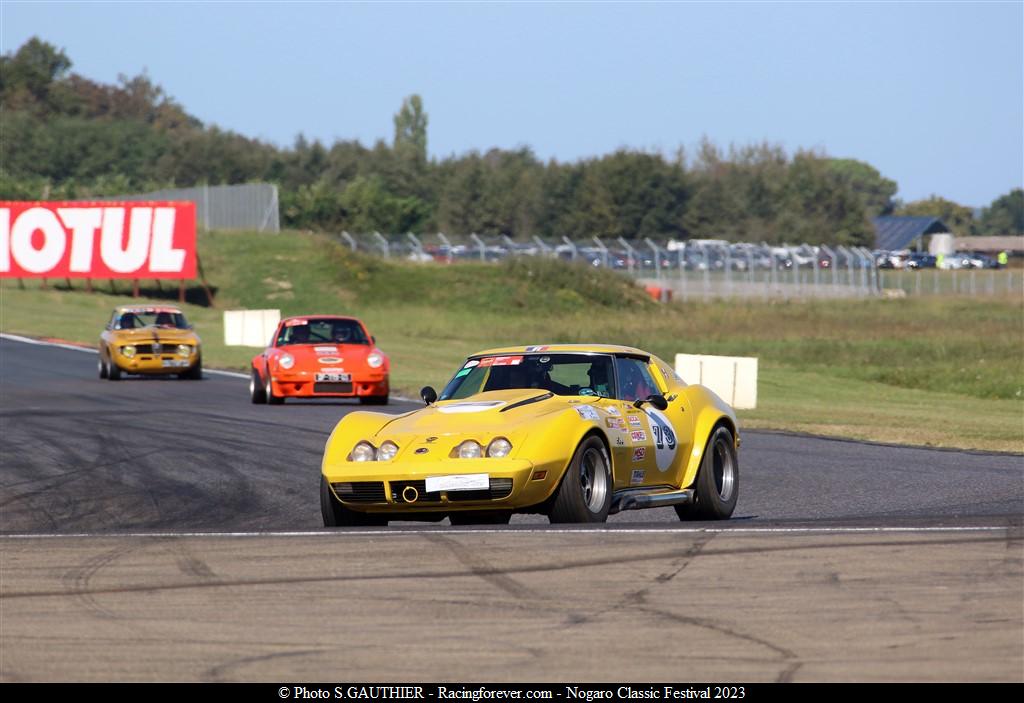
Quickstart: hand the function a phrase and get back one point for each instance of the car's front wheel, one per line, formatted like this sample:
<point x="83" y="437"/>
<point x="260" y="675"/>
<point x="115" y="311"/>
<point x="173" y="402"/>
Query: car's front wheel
<point x="718" y="480"/>
<point x="195" y="373"/>
<point x="257" y="394"/>
<point x="102" y="366"/>
<point x="337" y="515"/>
<point x="113" y="371"/>
<point x="585" y="493"/>
<point x="268" y="392"/>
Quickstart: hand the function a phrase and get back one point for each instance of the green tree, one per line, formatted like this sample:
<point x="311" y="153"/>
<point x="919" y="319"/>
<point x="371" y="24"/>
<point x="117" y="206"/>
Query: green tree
<point x="959" y="218"/>
<point x="411" y="129"/>
<point x="876" y="192"/>
<point x="1005" y="215"/>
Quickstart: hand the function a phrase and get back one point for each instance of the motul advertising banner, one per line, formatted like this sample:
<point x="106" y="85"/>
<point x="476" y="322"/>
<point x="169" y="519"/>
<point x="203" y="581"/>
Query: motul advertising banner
<point x="97" y="240"/>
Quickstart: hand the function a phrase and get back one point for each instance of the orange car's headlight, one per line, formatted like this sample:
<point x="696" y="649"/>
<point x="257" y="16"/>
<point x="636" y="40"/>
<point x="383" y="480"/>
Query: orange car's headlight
<point x="286" y="361"/>
<point x="375" y="360"/>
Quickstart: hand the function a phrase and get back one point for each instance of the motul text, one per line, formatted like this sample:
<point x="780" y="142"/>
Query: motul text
<point x="97" y="240"/>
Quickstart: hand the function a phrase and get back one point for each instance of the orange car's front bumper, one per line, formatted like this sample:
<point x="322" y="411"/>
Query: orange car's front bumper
<point x="302" y="384"/>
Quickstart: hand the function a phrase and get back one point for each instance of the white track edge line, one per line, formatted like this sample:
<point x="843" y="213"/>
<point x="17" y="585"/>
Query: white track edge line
<point x="541" y="531"/>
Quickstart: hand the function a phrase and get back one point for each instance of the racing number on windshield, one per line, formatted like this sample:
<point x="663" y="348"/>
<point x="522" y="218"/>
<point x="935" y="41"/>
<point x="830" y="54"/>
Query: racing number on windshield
<point x="663" y="435"/>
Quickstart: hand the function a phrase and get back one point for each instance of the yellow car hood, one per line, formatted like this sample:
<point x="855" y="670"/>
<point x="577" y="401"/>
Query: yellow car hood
<point x="489" y="412"/>
<point x="155" y="334"/>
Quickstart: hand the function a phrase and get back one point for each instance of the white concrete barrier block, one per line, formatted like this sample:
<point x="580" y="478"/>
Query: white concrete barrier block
<point x="732" y="378"/>
<point x="249" y="328"/>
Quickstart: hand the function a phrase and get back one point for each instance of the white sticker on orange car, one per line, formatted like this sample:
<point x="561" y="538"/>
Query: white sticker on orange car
<point x="295" y="323"/>
<point x="325" y="350"/>
<point x="664" y="436"/>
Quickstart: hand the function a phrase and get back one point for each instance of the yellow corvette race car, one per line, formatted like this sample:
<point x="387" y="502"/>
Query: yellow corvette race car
<point x="576" y="432"/>
<point x="149" y="340"/>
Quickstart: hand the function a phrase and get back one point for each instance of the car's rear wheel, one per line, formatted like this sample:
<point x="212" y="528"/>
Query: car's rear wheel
<point x="585" y="493"/>
<point x="374" y="400"/>
<point x="268" y="392"/>
<point x="337" y="515"/>
<point x="480" y="517"/>
<point x="718" y="480"/>
<point x="257" y="394"/>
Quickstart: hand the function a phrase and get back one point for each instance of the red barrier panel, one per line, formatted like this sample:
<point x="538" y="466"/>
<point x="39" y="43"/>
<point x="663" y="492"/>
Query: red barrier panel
<point x="97" y="240"/>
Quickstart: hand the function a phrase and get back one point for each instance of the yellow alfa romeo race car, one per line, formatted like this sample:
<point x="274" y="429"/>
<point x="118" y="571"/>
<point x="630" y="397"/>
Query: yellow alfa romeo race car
<point x="149" y="340"/>
<point x="576" y="432"/>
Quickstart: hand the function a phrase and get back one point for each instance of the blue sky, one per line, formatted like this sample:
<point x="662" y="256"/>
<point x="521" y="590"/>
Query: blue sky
<point x="931" y="94"/>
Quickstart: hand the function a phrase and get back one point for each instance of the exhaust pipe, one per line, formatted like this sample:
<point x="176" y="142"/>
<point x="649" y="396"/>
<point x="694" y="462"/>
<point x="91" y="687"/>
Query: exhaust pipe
<point x="410" y="494"/>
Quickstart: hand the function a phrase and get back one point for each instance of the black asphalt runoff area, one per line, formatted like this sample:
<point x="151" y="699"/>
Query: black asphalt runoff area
<point x="84" y="455"/>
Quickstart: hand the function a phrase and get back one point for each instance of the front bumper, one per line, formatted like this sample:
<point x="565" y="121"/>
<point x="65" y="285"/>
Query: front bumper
<point x="155" y="364"/>
<point x="382" y="487"/>
<point x="303" y="384"/>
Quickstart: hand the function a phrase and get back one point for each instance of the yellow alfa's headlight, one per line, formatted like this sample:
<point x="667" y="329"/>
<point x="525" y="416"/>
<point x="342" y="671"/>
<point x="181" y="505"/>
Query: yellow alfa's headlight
<point x="128" y="350"/>
<point x="184" y="350"/>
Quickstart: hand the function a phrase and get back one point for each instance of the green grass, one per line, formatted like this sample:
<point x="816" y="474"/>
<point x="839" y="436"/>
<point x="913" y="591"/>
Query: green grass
<point x="946" y="371"/>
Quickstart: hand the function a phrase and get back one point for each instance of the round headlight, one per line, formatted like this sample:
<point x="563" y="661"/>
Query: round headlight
<point x="470" y="450"/>
<point x="128" y="351"/>
<point x="184" y="350"/>
<point x="375" y="360"/>
<point x="364" y="451"/>
<point x="286" y="361"/>
<point x="499" y="447"/>
<point x="387" y="451"/>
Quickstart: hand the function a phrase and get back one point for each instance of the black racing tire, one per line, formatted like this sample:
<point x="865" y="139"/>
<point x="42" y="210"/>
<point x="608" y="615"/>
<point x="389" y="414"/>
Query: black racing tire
<point x="585" y="493"/>
<point x="337" y="515"/>
<point x="195" y="373"/>
<point x="102" y="366"/>
<point x="113" y="371"/>
<point x="374" y="400"/>
<point x="257" y="394"/>
<point x="718" y="480"/>
<point x="268" y="392"/>
<point x="480" y="517"/>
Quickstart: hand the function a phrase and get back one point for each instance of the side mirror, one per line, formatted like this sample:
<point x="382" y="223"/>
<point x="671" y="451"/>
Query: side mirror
<point x="373" y="338"/>
<point x="656" y="400"/>
<point x="428" y="394"/>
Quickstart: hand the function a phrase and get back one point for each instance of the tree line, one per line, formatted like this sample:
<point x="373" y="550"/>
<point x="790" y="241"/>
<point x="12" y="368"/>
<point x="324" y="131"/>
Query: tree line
<point x="66" y="136"/>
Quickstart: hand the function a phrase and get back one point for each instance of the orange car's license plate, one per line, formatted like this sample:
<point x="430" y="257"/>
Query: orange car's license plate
<point x="334" y="377"/>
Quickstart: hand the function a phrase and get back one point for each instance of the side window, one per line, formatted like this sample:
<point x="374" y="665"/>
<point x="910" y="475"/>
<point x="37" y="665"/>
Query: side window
<point x="634" y="381"/>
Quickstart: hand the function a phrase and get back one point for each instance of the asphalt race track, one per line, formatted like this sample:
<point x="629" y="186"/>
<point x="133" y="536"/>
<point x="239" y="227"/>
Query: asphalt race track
<point x="169" y="530"/>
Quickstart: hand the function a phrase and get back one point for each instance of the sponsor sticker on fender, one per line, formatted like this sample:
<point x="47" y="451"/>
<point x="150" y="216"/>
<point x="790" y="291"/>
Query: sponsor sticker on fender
<point x="614" y="423"/>
<point x="638" y="436"/>
<point x="639" y="453"/>
<point x="97" y="240"/>
<point x="637" y="477"/>
<point x="634" y="420"/>
<point x="587" y="412"/>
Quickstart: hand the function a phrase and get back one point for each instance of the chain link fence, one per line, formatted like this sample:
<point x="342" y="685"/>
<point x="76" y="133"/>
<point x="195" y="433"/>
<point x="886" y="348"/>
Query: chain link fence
<point x="707" y="269"/>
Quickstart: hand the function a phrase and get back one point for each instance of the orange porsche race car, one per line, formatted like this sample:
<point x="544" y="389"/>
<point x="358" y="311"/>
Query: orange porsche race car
<point x="320" y="356"/>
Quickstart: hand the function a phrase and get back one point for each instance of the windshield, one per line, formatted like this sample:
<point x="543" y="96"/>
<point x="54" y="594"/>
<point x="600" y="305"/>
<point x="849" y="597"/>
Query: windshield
<point x="561" y="374"/>
<point x="150" y="317"/>
<point x="313" y="331"/>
